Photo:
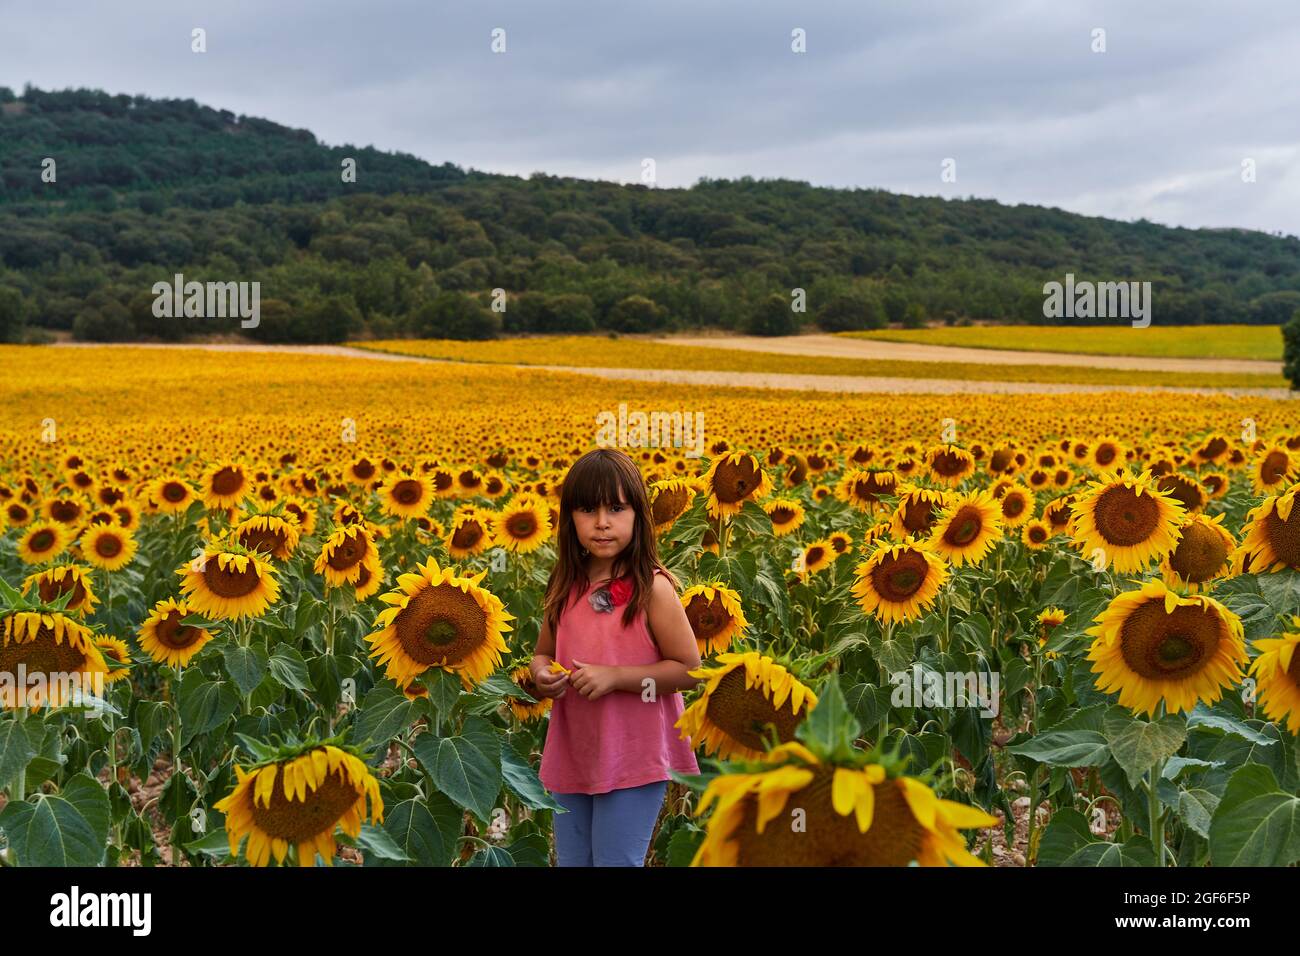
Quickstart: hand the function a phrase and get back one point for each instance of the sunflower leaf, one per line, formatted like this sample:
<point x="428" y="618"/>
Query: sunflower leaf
<point x="426" y="834"/>
<point x="467" y="768"/>
<point x="287" y="666"/>
<point x="1256" y="823"/>
<point x="830" y="728"/>
<point x="522" y="780"/>
<point x="70" y="829"/>
<point x="380" y="843"/>
<point x="245" y="665"/>
<point x="1138" y="744"/>
<point x="16" y="751"/>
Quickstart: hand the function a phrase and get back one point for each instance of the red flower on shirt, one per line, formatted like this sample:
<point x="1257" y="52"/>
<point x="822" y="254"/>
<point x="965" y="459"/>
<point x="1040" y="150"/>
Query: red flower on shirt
<point x="621" y="590"/>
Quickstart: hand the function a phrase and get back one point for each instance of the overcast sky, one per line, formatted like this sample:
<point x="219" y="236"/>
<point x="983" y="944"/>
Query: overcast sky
<point x="1158" y="125"/>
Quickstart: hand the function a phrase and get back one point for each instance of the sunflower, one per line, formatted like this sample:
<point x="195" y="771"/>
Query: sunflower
<point x="440" y="619"/>
<point x="1271" y="536"/>
<point x="715" y="614"/>
<point x="67" y="510"/>
<point x="898" y="582"/>
<point x="470" y="534"/>
<point x="863" y="487"/>
<point x="1204" y="554"/>
<point x="917" y="511"/>
<point x="321" y="787"/>
<point x="522" y="709"/>
<point x="854" y="816"/>
<point x="1036" y="534"/>
<point x="43" y="541"/>
<point x="1049" y="619"/>
<point x="1016" y="504"/>
<point x="840" y="541"/>
<point x="44" y="655"/>
<point x="231" y="584"/>
<point x="57" y="581"/>
<point x="1274" y="468"/>
<point x="303" y="512"/>
<point x="741" y="697"/>
<point x="669" y="500"/>
<point x="406" y="496"/>
<point x="108" y="547"/>
<point x="1129" y="519"/>
<point x="115" y="650"/>
<point x="818" y="555"/>
<point x="15" y="514"/>
<point x="269" y="534"/>
<point x="1152" y="645"/>
<point x="732" y="480"/>
<point x="225" y="485"/>
<point x="1108" y="454"/>
<point x="165" y="639"/>
<point x="949" y="464"/>
<point x="345" y="554"/>
<point x="171" y="494"/>
<point x="1277" y="674"/>
<point x="1215" y="483"/>
<point x="967" y="528"/>
<point x="1187" y="491"/>
<point x="522" y="525"/>
<point x="787" y="515"/>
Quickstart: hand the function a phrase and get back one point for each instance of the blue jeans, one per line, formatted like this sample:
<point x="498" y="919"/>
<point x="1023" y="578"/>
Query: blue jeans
<point x="607" y="829"/>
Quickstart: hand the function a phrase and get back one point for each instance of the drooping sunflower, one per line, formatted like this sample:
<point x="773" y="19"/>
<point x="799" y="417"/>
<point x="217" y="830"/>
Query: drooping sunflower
<point x="853" y="816"/>
<point x="52" y="583"/>
<point x="715" y="614"/>
<point x="115" y="650"/>
<point x="669" y="500"/>
<point x="1184" y="489"/>
<point x="740" y="698"/>
<point x="1154" y="645"/>
<point x="438" y="618"/>
<point x="53" y="647"/>
<point x="1204" y="554"/>
<point x="787" y="515"/>
<point x="967" y="528"/>
<point x="1271" y="536"/>
<point x="733" y="479"/>
<point x="346" y="554"/>
<point x="406" y="496"/>
<point x="171" y="494"/>
<point x="43" y="541"/>
<point x="225" y="485"/>
<point x="107" y="547"/>
<point x="522" y="709"/>
<point x="470" y="534"/>
<point x="522" y="525"/>
<point x="917" y="511"/>
<point x="1016" y="505"/>
<point x="230" y="584"/>
<point x="949" y="464"/>
<point x="1274" y="468"/>
<point x="1277" y="675"/>
<point x="296" y="802"/>
<point x="863" y="487"/>
<point x="898" y="582"/>
<point x="166" y="640"/>
<point x="269" y="534"/>
<point x="1129" y="519"/>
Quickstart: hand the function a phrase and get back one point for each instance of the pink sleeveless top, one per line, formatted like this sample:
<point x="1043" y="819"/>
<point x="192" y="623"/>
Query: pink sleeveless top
<point x="619" y="740"/>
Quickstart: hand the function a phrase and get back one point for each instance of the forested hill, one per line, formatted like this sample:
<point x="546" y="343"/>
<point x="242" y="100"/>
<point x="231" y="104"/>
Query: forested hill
<point x="147" y="188"/>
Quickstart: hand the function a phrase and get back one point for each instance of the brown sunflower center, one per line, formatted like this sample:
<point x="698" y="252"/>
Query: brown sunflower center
<point x="707" y="616"/>
<point x="1013" y="505"/>
<point x="1200" y="554"/>
<point x="441" y="622"/>
<point x="1105" y="454"/>
<point x="42" y="540"/>
<point x="668" y="504"/>
<point x="270" y="540"/>
<point x="1125" y="518"/>
<point x="227" y="481"/>
<point x="1183" y="490"/>
<point x="1038" y="534"/>
<point x="521" y="525"/>
<point x="948" y="463"/>
<point x="1284" y="537"/>
<point x="781" y="515"/>
<point x="467" y="535"/>
<point x="1169" y="646"/>
<point x="347" y="553"/>
<point x="42" y="655"/>
<point x="964" y="527"/>
<point x="896" y="579"/>
<point x="1213" y="448"/>
<point x="743" y="713"/>
<point x="407" y="492"/>
<point x="1274" y="467"/>
<point x="363" y="470"/>
<point x="64" y="511"/>
<point x="821" y="837"/>
<point x="53" y="590"/>
<point x="299" y="821"/>
<point x="108" y="546"/>
<point x="918" y="515"/>
<point x="735" y="480"/>
<point x="230" y="582"/>
<point x="171" y="632"/>
<point x="814" y="556"/>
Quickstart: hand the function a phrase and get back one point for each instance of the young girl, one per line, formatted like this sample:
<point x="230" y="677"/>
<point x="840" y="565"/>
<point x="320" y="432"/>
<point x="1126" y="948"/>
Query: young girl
<point x="615" y="626"/>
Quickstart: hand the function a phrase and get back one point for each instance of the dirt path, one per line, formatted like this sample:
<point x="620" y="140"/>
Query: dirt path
<point x="839" y="347"/>
<point x="767" y="380"/>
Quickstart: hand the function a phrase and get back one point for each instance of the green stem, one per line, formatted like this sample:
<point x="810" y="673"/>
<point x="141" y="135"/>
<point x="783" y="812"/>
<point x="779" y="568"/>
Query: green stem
<point x="1156" y="812"/>
<point x="18" y="791"/>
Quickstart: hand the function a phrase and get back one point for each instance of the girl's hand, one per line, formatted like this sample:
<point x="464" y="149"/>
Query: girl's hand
<point x="594" y="681"/>
<point x="550" y="683"/>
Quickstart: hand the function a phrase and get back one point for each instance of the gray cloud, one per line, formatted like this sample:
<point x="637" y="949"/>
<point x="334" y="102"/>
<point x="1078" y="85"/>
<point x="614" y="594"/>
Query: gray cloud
<point x="1155" y="127"/>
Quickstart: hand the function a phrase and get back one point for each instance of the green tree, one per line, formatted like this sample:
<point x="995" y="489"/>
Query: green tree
<point x="11" y="314"/>
<point x="454" y="315"/>
<point x="773" y="316"/>
<point x="1291" y="350"/>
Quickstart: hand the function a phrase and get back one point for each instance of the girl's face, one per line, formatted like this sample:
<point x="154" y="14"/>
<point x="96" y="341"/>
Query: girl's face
<point x="606" y="529"/>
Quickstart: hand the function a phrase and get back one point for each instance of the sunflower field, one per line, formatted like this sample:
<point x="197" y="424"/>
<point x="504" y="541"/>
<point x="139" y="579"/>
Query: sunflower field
<point x="265" y="609"/>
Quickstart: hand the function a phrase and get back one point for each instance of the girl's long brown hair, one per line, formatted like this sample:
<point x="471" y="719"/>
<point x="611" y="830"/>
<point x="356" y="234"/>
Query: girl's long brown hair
<point x="601" y="477"/>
